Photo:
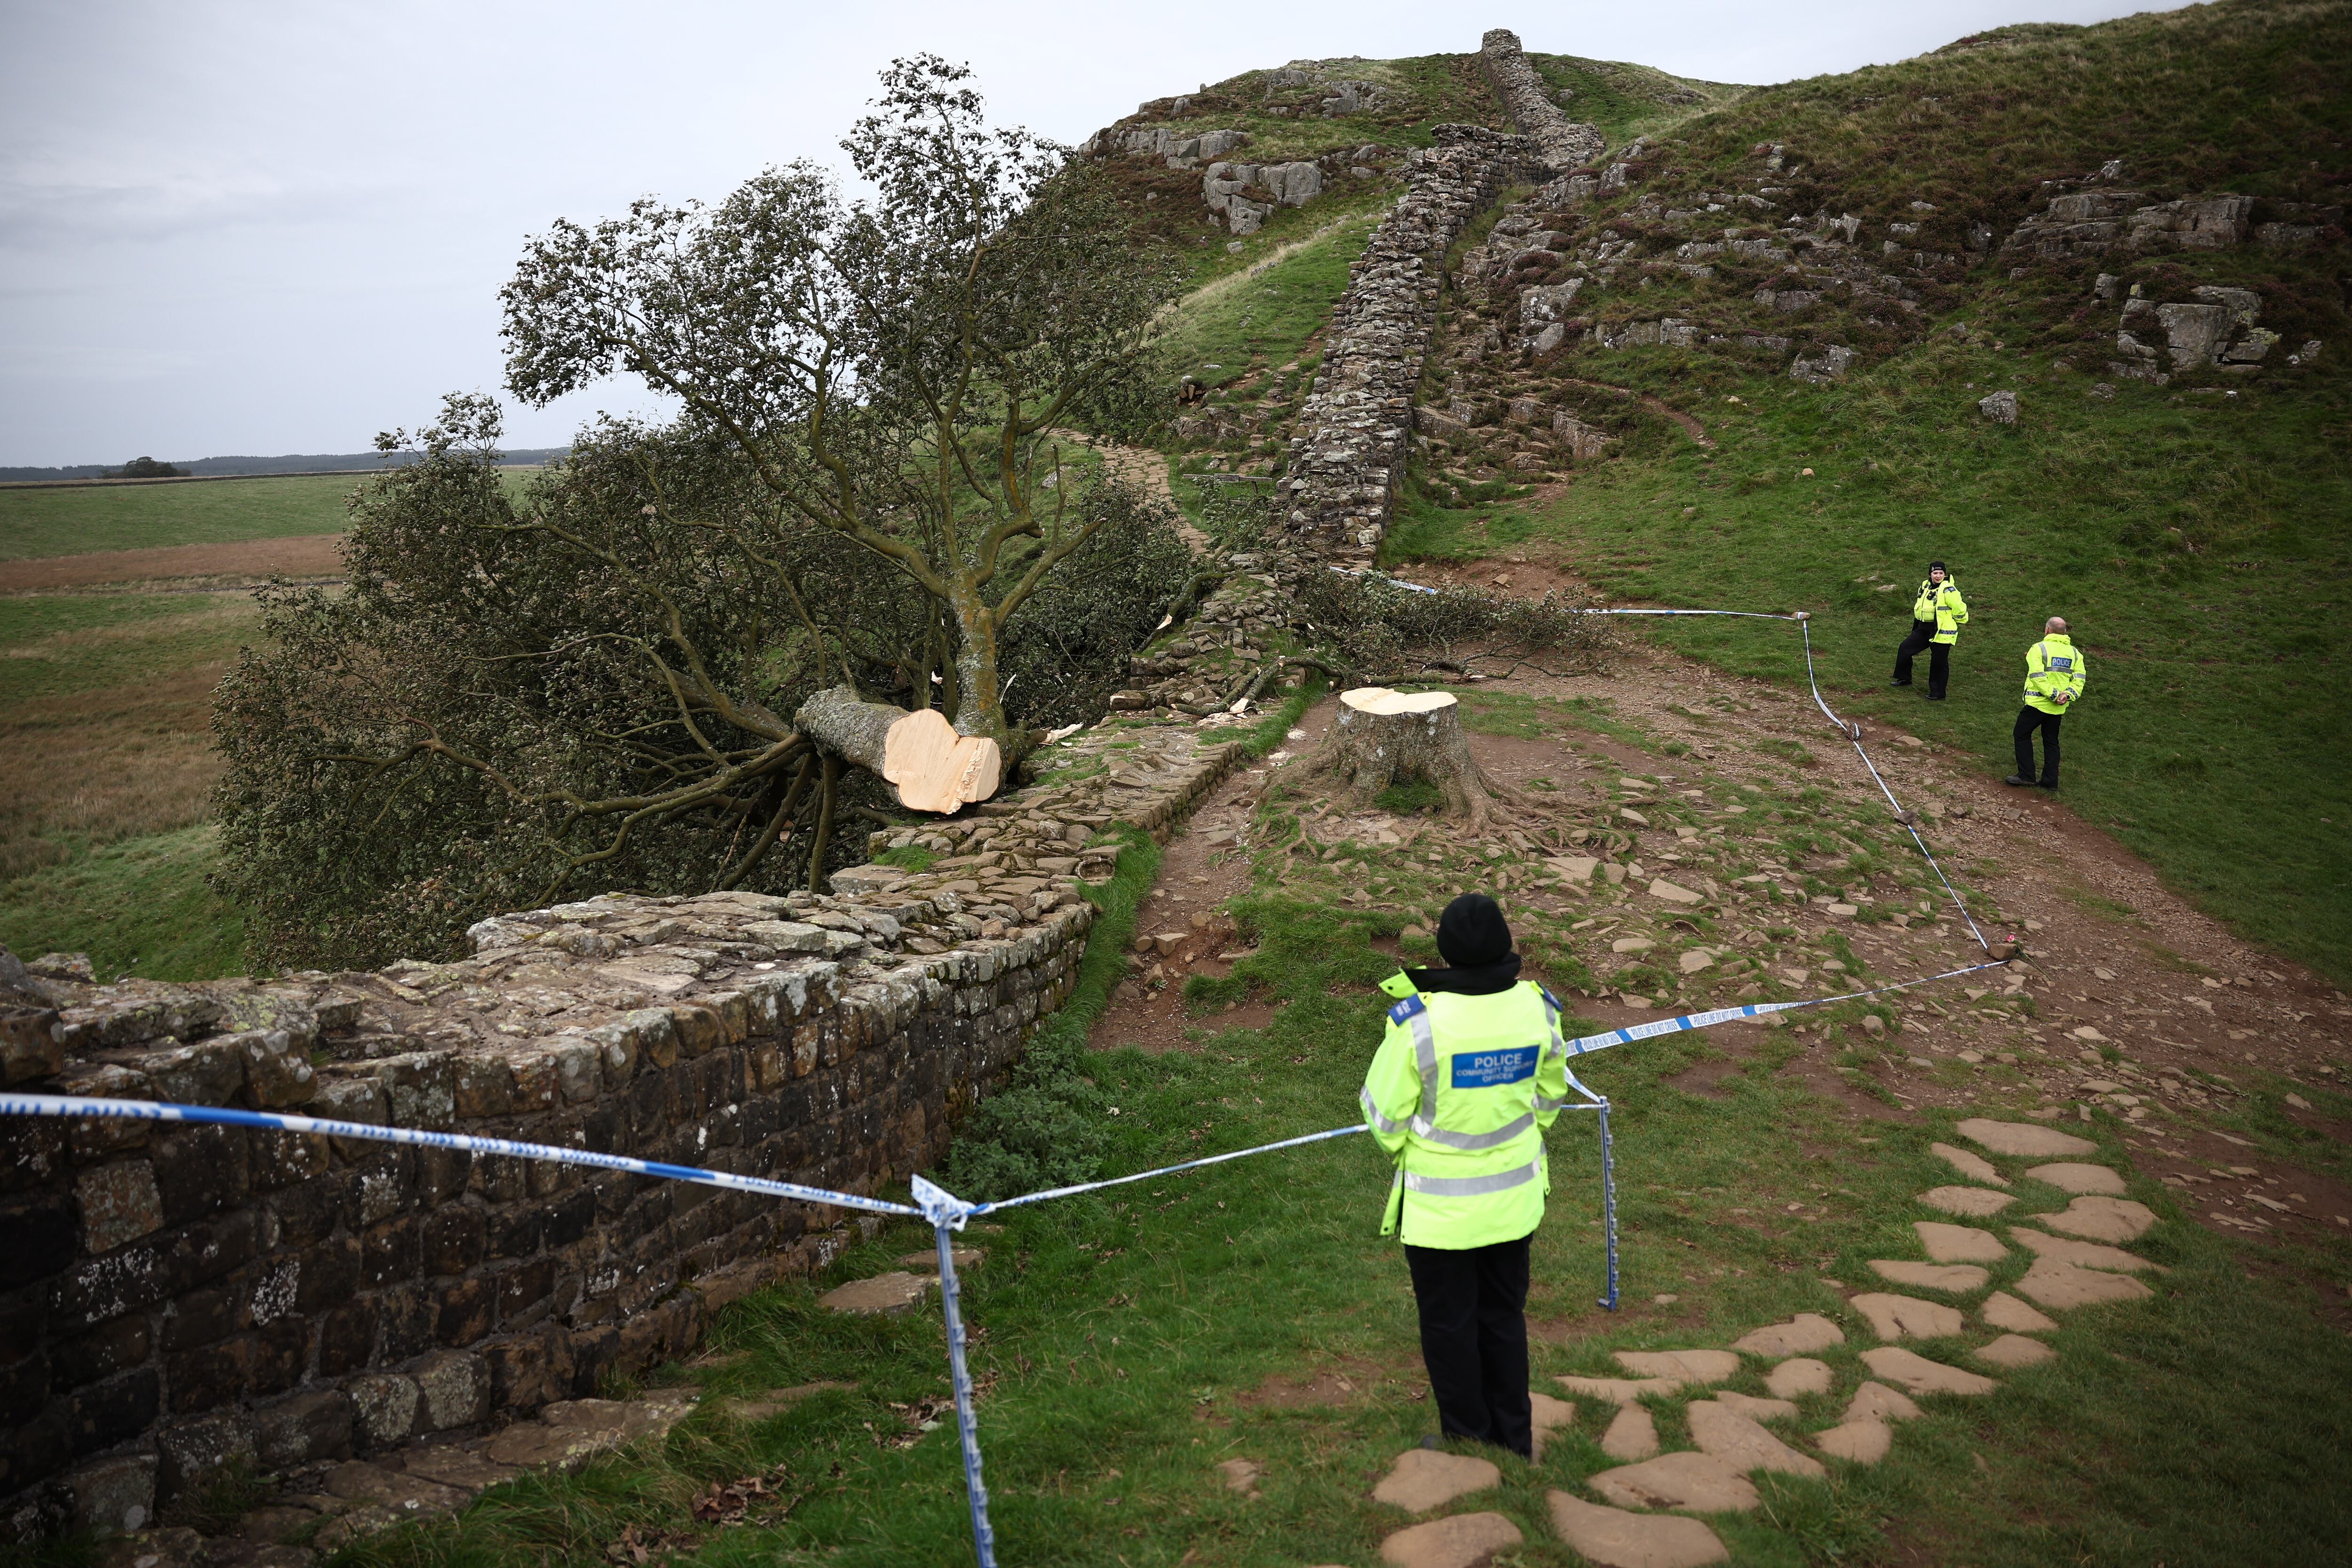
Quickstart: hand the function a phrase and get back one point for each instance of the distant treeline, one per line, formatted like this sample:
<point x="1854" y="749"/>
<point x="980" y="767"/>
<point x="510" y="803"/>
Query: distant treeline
<point x="293" y="463"/>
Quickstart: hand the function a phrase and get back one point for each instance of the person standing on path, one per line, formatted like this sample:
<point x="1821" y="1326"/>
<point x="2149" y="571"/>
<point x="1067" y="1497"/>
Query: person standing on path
<point x="2055" y="679"/>
<point x="1471" y="1072"/>
<point x="1937" y="616"/>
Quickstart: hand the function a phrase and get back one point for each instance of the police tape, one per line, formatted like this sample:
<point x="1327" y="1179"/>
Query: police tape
<point x="286" y="1122"/>
<point x="945" y="1212"/>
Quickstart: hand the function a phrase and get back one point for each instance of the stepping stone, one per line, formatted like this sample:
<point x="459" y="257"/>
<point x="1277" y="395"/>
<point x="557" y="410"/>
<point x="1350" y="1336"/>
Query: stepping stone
<point x="1465" y="1541"/>
<point x="1241" y="1475"/>
<point x="362" y="1483"/>
<point x="1800" y="1376"/>
<point x="776" y="1401"/>
<point x="1920" y="1376"/>
<point x="1805" y="1332"/>
<point x="458" y="1465"/>
<point x="1958" y="1243"/>
<point x="1974" y="1203"/>
<point x="890" y="1295"/>
<point x="1424" y="1478"/>
<point x="2081" y="1254"/>
<point x="1969" y="1163"/>
<point x="1862" y="1442"/>
<point x="1632" y="1436"/>
<point x="1615" y="1539"/>
<point x="1876" y="1402"/>
<point x="1721" y="1431"/>
<point x="1907" y="1317"/>
<point x="928" y="1262"/>
<point x="2059" y="1286"/>
<point x="2023" y="1138"/>
<point x="570" y="1430"/>
<point x="1617" y="1390"/>
<point x="2074" y="1178"/>
<point x="1930" y="1276"/>
<point x="2004" y="1310"/>
<point x="1691" y="1366"/>
<point x="1550" y="1414"/>
<point x="2100" y="1219"/>
<point x="2016" y="1350"/>
<point x="1757" y="1409"/>
<point x="1699" y="1483"/>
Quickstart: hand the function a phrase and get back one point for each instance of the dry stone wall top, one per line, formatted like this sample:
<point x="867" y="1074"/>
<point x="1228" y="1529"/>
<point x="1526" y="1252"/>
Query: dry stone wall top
<point x="1562" y="143"/>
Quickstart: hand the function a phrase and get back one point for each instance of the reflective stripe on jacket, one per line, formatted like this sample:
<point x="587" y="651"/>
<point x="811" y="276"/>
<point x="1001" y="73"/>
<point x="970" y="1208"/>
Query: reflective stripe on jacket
<point x="2055" y="673"/>
<point x="1942" y="604"/>
<point x="1459" y="1095"/>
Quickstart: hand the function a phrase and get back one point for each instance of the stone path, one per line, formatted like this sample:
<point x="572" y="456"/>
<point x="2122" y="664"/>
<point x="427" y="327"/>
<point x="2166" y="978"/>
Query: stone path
<point x="1640" y="1518"/>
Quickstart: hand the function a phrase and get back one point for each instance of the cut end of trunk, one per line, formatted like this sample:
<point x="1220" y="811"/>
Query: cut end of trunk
<point x="934" y="768"/>
<point x="930" y="766"/>
<point x="1380" y="701"/>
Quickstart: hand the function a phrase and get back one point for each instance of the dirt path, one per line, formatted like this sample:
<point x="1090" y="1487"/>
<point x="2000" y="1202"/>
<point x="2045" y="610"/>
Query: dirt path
<point x="2130" y="999"/>
<point x="201" y="565"/>
<point x="1689" y="422"/>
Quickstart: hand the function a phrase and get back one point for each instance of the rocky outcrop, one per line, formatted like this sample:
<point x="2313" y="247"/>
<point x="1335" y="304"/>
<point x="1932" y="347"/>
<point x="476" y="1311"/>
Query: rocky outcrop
<point x="1183" y="149"/>
<point x="186" y="1298"/>
<point x="2214" y="329"/>
<point x="1228" y="188"/>
<point x="2090" y="217"/>
<point x="1354" y="430"/>
<point x="1561" y="143"/>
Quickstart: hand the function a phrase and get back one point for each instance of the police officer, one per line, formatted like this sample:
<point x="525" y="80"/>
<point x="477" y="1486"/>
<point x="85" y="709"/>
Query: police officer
<point x="2055" y="679"/>
<point x="1471" y="1072"/>
<point x="1937" y="616"/>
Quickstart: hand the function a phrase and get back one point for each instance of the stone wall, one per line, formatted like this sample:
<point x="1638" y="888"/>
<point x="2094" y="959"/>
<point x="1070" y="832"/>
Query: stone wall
<point x="177" y="1298"/>
<point x="1563" y="145"/>
<point x="1355" y="430"/>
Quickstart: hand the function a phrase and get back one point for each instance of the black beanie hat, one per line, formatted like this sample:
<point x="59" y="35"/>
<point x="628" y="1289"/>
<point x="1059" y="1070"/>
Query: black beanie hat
<point x="1472" y="931"/>
<point x="1940" y="566"/>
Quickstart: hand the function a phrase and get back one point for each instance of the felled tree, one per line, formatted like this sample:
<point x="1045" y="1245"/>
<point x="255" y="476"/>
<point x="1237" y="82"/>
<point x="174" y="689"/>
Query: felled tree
<point x="539" y="690"/>
<point x="887" y="369"/>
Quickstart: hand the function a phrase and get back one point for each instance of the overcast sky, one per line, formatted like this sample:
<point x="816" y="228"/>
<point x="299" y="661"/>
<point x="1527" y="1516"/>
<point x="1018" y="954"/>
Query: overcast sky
<point x="267" y="228"/>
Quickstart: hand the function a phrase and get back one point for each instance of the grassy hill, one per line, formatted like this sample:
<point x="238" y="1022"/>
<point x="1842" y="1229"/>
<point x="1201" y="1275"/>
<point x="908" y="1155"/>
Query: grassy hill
<point x="2195" y="532"/>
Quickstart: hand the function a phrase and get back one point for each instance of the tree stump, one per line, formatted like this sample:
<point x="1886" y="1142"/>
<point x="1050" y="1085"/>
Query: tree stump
<point x="919" y="754"/>
<point x="1383" y="737"/>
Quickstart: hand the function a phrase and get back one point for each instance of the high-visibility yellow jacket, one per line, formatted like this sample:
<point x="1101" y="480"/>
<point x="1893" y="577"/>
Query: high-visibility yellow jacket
<point x="1459" y="1095"/>
<point x="2054" y="674"/>
<point x="1941" y="602"/>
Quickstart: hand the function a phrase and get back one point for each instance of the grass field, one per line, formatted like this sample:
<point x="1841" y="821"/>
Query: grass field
<point x="2207" y="741"/>
<point x="106" y="775"/>
<point x="1127" y="1342"/>
<point x="74" y="519"/>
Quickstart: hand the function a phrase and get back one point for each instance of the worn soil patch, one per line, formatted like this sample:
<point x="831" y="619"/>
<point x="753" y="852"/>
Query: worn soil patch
<point x="1349" y="1383"/>
<point x="198" y="565"/>
<point x="1200" y="870"/>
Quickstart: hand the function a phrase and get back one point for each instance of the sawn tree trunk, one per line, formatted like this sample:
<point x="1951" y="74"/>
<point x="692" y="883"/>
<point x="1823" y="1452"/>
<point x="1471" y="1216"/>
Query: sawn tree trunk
<point x="919" y="754"/>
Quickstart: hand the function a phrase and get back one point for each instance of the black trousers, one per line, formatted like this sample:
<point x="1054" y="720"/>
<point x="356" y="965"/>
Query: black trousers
<point x="1940" y="658"/>
<point x="2030" y="718"/>
<point x="1473" y="1340"/>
